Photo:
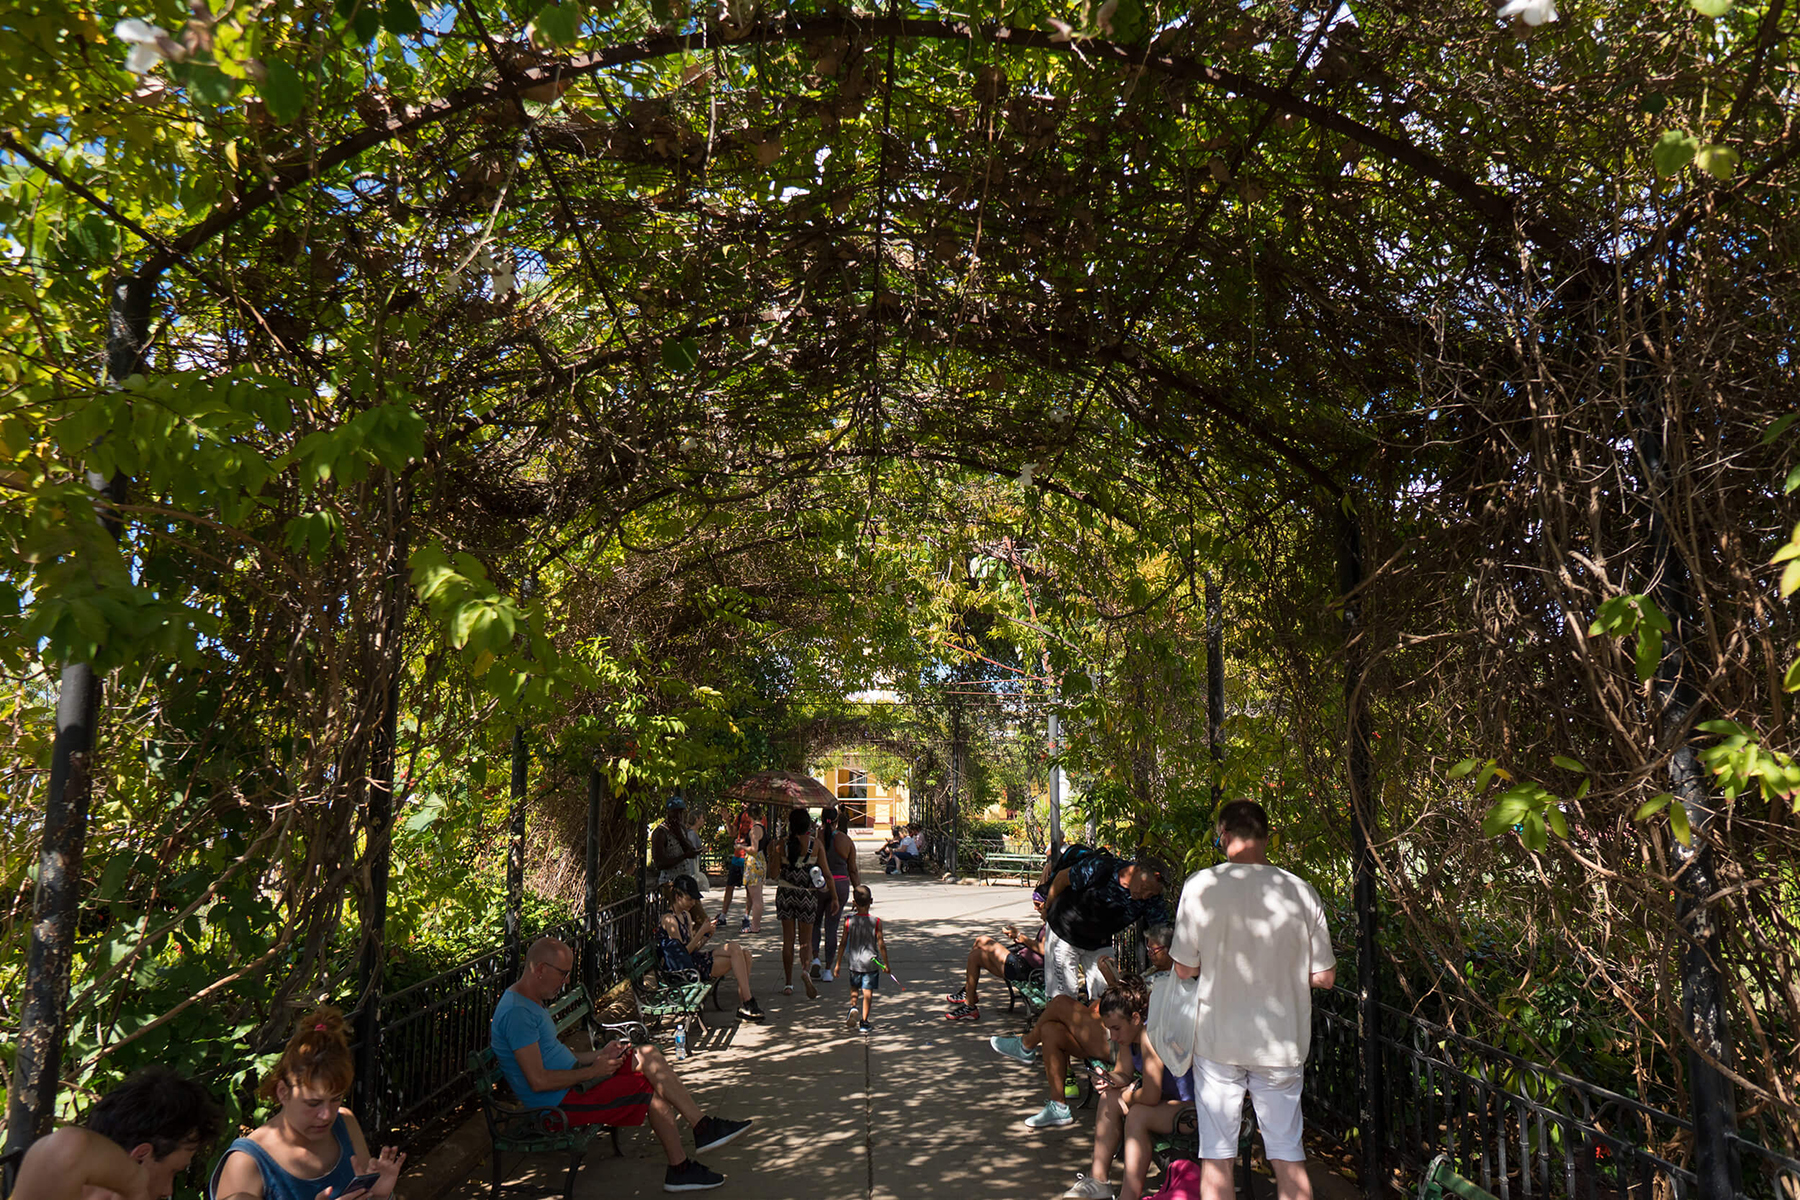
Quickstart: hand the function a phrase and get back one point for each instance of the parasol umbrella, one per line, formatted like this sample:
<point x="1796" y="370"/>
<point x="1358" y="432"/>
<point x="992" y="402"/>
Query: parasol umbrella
<point x="780" y="787"/>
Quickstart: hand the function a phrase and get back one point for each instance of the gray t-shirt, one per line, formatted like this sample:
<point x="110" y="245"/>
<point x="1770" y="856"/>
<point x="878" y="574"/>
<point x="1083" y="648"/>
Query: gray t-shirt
<point x="859" y="942"/>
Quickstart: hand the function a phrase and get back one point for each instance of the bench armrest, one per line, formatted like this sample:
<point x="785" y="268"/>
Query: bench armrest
<point x="624" y="1029"/>
<point x="516" y="1123"/>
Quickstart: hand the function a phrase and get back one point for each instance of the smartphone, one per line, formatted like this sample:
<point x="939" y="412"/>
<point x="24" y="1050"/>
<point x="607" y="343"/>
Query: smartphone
<point x="361" y="1183"/>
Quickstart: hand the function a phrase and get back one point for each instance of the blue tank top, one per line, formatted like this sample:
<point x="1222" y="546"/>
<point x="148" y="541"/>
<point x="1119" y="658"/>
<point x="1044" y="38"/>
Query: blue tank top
<point x="278" y="1184"/>
<point x="1175" y="1087"/>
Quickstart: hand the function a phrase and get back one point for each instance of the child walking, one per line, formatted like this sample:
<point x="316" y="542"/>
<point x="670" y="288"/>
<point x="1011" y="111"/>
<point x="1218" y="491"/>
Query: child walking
<point x="863" y="952"/>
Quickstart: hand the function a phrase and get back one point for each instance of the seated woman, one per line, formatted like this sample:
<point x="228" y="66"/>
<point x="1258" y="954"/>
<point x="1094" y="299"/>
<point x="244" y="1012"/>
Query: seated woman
<point x="1138" y="1097"/>
<point x="683" y="934"/>
<point x="311" y="1148"/>
<point x="1066" y="1029"/>
<point x="1013" y="959"/>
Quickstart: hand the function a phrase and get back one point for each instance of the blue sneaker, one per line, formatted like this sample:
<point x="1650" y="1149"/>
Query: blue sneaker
<point x="1053" y="1115"/>
<point x="1014" y="1047"/>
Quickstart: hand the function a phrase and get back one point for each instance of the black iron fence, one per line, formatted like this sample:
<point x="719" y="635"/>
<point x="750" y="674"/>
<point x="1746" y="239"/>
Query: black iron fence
<point x="1522" y="1130"/>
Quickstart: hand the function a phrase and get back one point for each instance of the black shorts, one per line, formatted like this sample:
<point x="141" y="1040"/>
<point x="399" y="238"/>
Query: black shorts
<point x="1018" y="967"/>
<point x="734" y="873"/>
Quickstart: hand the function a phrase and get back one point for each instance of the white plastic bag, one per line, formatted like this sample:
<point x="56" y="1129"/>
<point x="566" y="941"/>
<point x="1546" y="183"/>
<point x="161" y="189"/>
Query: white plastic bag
<point x="1174" y="1021"/>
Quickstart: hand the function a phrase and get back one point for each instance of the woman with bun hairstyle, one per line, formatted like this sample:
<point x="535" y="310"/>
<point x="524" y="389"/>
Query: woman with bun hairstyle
<point x="312" y="1147"/>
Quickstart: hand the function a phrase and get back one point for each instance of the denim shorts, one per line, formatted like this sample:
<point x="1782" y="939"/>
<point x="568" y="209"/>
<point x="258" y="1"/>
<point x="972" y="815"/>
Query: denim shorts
<point x="871" y="980"/>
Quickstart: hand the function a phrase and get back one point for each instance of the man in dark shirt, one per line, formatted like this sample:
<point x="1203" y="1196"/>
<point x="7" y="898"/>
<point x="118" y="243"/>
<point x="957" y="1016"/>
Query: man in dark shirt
<point x="1090" y="901"/>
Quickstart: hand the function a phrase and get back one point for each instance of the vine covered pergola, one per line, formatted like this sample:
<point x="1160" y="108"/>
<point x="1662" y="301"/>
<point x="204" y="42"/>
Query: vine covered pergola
<point x="382" y="384"/>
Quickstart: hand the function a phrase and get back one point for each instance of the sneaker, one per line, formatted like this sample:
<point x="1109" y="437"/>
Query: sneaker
<point x="814" y="969"/>
<point x="1053" y="1115"/>
<point x="691" y="1176"/>
<point x="713" y="1132"/>
<point x="1014" y="1047"/>
<point x="853" y="1016"/>
<point x="863" y="1027"/>
<point x="750" y="1010"/>
<point x="956" y="997"/>
<point x="963" y="1012"/>
<point x="745" y="927"/>
<point x="1072" y="1088"/>
<point x="1088" y="1188"/>
<point x="825" y="975"/>
<point x="788" y="990"/>
<point x="812" y="989"/>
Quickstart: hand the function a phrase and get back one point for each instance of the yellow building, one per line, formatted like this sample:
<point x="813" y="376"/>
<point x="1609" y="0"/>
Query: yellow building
<point x="866" y="800"/>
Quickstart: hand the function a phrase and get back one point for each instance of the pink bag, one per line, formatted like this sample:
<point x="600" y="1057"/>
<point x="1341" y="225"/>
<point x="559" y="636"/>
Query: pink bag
<point x="1180" y="1182"/>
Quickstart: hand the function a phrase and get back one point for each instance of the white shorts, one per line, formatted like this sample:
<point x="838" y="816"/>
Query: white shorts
<point x="1065" y="965"/>
<point x="1219" y="1106"/>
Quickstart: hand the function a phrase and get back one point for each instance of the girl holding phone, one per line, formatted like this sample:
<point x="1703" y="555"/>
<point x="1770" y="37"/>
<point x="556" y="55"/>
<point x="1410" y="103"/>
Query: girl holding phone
<point x="311" y="1147"/>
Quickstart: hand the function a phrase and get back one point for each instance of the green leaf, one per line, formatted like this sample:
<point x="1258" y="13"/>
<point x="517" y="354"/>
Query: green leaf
<point x="1674" y="150"/>
<point x="366" y="22"/>
<point x="1711" y="8"/>
<point x="1652" y="103"/>
<point x="1559" y="824"/>
<point x="559" y="23"/>
<point x="1678" y="821"/>
<point x="1569" y="764"/>
<point x="1792" y="481"/>
<point x="1779" y="427"/>
<point x="1531" y="832"/>
<point x="1462" y="768"/>
<point x="1649" y="653"/>
<point x="209" y="85"/>
<point x="401" y="19"/>
<point x="1487" y="776"/>
<point x="1791" y="681"/>
<point x="682" y="355"/>
<point x="283" y="92"/>
<point x="1652" y="806"/>
<point x="1721" y="162"/>
<point x="1507" y="811"/>
<point x="1790" y="577"/>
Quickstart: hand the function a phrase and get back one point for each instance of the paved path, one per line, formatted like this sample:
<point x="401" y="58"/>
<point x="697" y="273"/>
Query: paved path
<point x="920" y="1108"/>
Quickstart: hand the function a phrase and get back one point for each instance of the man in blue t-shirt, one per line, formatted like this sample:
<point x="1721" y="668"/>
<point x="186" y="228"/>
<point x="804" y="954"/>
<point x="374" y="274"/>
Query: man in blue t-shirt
<point x="618" y="1084"/>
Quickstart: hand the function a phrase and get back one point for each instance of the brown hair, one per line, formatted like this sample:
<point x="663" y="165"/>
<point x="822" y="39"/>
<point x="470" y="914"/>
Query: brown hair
<point x="1128" y="997"/>
<point x="318" y="1055"/>
<point x="1245" y="819"/>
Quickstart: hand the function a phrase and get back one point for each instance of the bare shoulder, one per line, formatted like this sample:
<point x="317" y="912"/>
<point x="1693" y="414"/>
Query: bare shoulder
<point x="354" y="1128"/>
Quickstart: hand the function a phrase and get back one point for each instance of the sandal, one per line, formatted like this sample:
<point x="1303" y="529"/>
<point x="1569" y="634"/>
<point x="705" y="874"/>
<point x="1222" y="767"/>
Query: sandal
<point x="788" y="990"/>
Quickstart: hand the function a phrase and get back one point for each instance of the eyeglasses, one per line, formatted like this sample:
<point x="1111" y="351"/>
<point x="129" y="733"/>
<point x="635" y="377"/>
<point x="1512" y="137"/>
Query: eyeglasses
<point x="565" y="972"/>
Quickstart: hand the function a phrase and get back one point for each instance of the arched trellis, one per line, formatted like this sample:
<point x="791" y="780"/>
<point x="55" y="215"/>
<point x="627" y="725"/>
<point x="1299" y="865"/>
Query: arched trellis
<point x="1496" y="210"/>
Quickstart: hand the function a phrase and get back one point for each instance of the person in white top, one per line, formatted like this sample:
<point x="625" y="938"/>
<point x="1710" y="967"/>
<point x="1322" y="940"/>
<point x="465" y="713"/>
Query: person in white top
<point x="1254" y="937"/>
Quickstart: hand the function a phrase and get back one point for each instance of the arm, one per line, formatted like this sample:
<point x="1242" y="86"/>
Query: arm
<point x="239" y="1178"/>
<point x="58" y="1166"/>
<point x="855" y="875"/>
<point x="837" y="968"/>
<point x="1058" y="886"/>
<point x="540" y="1078"/>
<point x="1325" y="979"/>
<point x="1109" y="970"/>
<point x="1183" y="971"/>
<point x="702" y="931"/>
<point x="881" y="943"/>
<point x="387" y="1164"/>
<point x="1150" y="1090"/>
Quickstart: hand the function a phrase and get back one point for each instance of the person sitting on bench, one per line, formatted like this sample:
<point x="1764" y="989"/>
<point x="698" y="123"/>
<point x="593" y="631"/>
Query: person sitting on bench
<point x="1014" y="960"/>
<point x="682" y="938"/>
<point x="616" y="1084"/>
<point x="1138" y="1097"/>
<point x="1066" y="1029"/>
<point x="906" y="852"/>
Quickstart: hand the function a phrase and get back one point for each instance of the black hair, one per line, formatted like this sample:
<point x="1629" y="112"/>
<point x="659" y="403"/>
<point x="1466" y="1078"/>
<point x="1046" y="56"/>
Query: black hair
<point x="1130" y="995"/>
<point x="159" y="1106"/>
<point x="1245" y="819"/>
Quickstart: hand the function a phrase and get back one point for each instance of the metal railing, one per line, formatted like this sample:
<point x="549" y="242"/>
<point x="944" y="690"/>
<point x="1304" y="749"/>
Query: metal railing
<point x="429" y="1029"/>
<point x="1520" y="1129"/>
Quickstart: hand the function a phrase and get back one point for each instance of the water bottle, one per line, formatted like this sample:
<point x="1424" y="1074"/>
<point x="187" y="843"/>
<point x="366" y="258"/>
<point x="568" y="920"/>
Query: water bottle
<point x="681" y="1041"/>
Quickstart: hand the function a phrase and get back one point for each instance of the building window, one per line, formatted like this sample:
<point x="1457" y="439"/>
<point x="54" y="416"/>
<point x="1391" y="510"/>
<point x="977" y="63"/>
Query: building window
<point x="855" y="786"/>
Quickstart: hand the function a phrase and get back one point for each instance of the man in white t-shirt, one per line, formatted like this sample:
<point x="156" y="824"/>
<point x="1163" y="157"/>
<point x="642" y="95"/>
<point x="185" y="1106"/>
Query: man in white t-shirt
<point x="1254" y="937"/>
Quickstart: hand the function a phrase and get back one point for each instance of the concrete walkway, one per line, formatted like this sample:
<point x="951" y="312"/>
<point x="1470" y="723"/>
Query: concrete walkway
<point x="919" y="1108"/>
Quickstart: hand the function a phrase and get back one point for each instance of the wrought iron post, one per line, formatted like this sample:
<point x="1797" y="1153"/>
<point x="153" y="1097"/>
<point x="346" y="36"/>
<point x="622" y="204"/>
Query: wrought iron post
<point x="1711" y="1097"/>
<point x="378" y="822"/>
<point x="1215" y="686"/>
<point x="641" y="870"/>
<point x="43" y="1014"/>
<point x="590" y="968"/>
<point x="956" y="782"/>
<point x="515" y="853"/>
<point x="1362" y="825"/>
<point x="1055" y="789"/>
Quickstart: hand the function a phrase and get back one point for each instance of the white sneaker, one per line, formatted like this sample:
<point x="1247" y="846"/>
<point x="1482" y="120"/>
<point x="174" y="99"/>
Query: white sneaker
<point x="825" y="975"/>
<point x="1088" y="1188"/>
<point x="1053" y="1115"/>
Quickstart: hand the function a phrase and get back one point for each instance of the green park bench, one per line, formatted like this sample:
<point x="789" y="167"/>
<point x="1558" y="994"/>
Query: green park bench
<point x="679" y="994"/>
<point x="516" y="1129"/>
<point x="1031" y="990"/>
<point x="1026" y="868"/>
<point x="1441" y="1182"/>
